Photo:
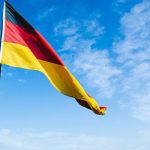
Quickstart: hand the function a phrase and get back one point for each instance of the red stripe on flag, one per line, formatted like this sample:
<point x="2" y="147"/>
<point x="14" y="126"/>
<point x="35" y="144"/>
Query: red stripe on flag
<point x="32" y="39"/>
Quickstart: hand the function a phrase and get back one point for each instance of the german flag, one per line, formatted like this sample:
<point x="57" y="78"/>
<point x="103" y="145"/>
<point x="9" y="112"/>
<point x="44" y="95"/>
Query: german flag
<point x="24" y="47"/>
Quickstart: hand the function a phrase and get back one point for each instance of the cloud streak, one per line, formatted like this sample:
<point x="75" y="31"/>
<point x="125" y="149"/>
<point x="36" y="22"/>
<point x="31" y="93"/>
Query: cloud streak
<point x="30" y="140"/>
<point x="125" y="75"/>
<point x="45" y="13"/>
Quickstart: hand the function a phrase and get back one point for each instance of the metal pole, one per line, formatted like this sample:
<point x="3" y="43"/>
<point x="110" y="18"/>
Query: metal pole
<point x="2" y="36"/>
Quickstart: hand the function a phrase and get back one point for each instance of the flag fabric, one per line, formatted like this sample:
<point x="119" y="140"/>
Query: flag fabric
<point x="24" y="47"/>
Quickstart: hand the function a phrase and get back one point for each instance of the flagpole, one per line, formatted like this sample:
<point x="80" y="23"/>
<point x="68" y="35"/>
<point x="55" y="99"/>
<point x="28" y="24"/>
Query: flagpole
<point x="2" y="36"/>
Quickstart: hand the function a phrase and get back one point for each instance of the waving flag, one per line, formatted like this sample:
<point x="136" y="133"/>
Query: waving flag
<point x="24" y="47"/>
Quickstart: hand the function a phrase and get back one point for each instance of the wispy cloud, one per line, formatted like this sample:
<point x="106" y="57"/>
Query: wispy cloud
<point x="54" y="140"/>
<point x="134" y="55"/>
<point x="75" y="31"/>
<point x="135" y="28"/>
<point x="44" y="13"/>
<point x="66" y="27"/>
<point x="97" y="68"/>
<point x="125" y="76"/>
<point x="65" y="141"/>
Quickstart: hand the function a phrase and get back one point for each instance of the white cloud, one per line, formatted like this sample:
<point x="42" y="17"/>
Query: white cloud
<point x="98" y="70"/>
<point x="53" y="140"/>
<point x="125" y="77"/>
<point x="93" y="26"/>
<point x="73" y="32"/>
<point x="29" y="140"/>
<point x="128" y="76"/>
<point x="136" y="31"/>
<point x="66" y="27"/>
<point x="44" y="13"/>
<point x="71" y="27"/>
<point x="134" y="55"/>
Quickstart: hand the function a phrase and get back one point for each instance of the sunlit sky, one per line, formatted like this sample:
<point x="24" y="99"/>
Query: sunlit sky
<point x="105" y="44"/>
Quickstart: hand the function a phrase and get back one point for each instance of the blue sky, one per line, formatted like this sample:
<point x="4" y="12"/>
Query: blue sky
<point x="105" y="44"/>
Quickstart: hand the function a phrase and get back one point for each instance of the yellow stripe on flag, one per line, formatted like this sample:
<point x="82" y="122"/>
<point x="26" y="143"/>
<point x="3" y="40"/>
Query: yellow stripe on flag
<point x="20" y="56"/>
